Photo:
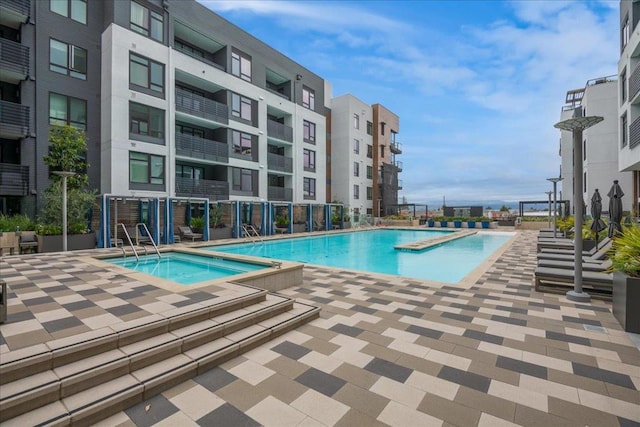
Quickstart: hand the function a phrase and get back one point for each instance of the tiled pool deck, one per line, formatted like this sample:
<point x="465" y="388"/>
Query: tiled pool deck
<point x="384" y="351"/>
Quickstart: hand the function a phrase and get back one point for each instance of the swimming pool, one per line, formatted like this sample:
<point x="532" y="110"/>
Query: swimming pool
<point x="373" y="251"/>
<point x="186" y="269"/>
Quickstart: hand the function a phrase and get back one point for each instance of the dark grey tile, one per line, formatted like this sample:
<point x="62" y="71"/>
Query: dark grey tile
<point x="408" y="292"/>
<point x="37" y="301"/>
<point x="567" y="338"/>
<point x="603" y="375"/>
<point x="227" y="415"/>
<point x="625" y="422"/>
<point x="372" y="290"/>
<point x="464" y="306"/>
<point x="321" y="382"/>
<point x="420" y="304"/>
<point x="363" y="309"/>
<point x="522" y="367"/>
<point x="304" y="290"/>
<point x="60" y="324"/>
<point x="456" y="316"/>
<point x="389" y="369"/>
<point x="58" y="288"/>
<point x="509" y="320"/>
<point x="199" y="296"/>
<point x="375" y="300"/>
<point x="20" y="316"/>
<point x="347" y="330"/>
<point x="92" y="291"/>
<point x="467" y="379"/>
<point x="321" y="300"/>
<point x="79" y="305"/>
<point x="512" y="309"/>
<point x="123" y="310"/>
<point x="544" y="305"/>
<point x="482" y="336"/>
<point x="425" y="332"/>
<point x="159" y="408"/>
<point x="580" y="320"/>
<point x="339" y="293"/>
<point x="215" y="379"/>
<point x="410" y="313"/>
<point x="291" y="350"/>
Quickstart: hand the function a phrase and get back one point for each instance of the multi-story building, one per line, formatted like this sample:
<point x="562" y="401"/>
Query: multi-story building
<point x="364" y="169"/>
<point x="599" y="153"/>
<point x="629" y="99"/>
<point x="175" y="101"/>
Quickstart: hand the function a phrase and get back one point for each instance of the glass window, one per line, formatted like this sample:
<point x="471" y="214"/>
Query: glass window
<point x="623" y="130"/>
<point x="241" y="143"/>
<point x="356" y="169"/>
<point x="356" y="191"/>
<point x="241" y="65"/>
<point x="66" y="110"/>
<point x="623" y="86"/>
<point x="242" y="179"/>
<point x="370" y="151"/>
<point x="369" y="195"/>
<point x="382" y="151"/>
<point x="147" y="22"/>
<point x="624" y="33"/>
<point x="369" y="172"/>
<point x="146" y="168"/>
<point x="356" y="121"/>
<point x="308" y="98"/>
<point x="74" y="9"/>
<point x="145" y="73"/>
<point x="67" y="59"/>
<point x="369" y="128"/>
<point x="309" y="188"/>
<point x="309" y="157"/>
<point x="356" y="146"/>
<point x="240" y="107"/>
<point x="309" y="130"/>
<point x="146" y="123"/>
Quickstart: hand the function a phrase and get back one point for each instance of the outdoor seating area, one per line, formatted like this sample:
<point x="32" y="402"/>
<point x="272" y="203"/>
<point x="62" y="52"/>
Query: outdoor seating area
<point x="187" y="234"/>
<point x="28" y="242"/>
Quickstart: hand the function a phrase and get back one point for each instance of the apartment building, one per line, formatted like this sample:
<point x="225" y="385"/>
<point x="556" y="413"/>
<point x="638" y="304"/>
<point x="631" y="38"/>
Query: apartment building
<point x="629" y="99"/>
<point x="599" y="144"/>
<point x="175" y="100"/>
<point x="364" y="168"/>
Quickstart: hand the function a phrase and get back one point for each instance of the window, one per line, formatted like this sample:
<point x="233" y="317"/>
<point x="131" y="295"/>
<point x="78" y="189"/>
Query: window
<point x="584" y="182"/>
<point x="308" y="98"/>
<point x="382" y="125"/>
<point x="242" y="180"/>
<point x="369" y="128"/>
<point x="309" y="188"/>
<point x="369" y="195"/>
<point x="309" y="157"/>
<point x="584" y="149"/>
<point x="624" y="33"/>
<point x="240" y="107"/>
<point x="66" y="110"/>
<point x="146" y="73"/>
<point x="147" y="22"/>
<point x="369" y="172"/>
<point x="356" y="146"/>
<point x="188" y="49"/>
<point x="241" y="143"/>
<point x="146" y="168"/>
<point x="356" y="191"/>
<point x="369" y="151"/>
<point x="189" y="172"/>
<point x="624" y="130"/>
<point x="146" y="123"/>
<point x="309" y="130"/>
<point x="356" y="169"/>
<point x="356" y="121"/>
<point x="74" y="9"/>
<point x="623" y="87"/>
<point x="67" y="59"/>
<point x="382" y="151"/>
<point x="241" y="65"/>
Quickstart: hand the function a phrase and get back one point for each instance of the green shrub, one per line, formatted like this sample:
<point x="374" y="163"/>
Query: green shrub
<point x="16" y="223"/>
<point x="625" y="252"/>
<point x="197" y="223"/>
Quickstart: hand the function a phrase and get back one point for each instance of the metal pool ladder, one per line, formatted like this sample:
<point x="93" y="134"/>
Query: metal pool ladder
<point x="133" y="247"/>
<point x="251" y="232"/>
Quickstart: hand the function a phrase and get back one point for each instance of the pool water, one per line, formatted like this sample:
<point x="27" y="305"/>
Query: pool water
<point x="185" y="269"/>
<point x="373" y="251"/>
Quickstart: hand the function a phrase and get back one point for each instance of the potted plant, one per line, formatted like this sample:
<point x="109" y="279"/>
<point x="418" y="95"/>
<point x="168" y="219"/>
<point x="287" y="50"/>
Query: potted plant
<point x="431" y="222"/>
<point x="217" y="227"/>
<point x="486" y="222"/>
<point x="471" y="223"/>
<point x="625" y="265"/>
<point x="457" y="222"/>
<point x="10" y="226"/>
<point x="197" y="224"/>
<point x="443" y="221"/>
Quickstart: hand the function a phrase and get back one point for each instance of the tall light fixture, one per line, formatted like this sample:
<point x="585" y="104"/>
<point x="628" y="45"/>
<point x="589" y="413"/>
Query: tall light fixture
<point x="576" y="125"/>
<point x="64" y="175"/>
<point x="549" y="193"/>
<point x="555" y="203"/>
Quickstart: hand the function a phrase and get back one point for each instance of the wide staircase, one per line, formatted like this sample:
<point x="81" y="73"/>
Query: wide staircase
<point x="85" y="378"/>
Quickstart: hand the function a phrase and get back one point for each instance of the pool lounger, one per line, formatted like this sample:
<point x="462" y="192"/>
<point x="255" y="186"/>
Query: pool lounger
<point x="567" y="256"/>
<point x="568" y="249"/>
<point x="559" y="279"/>
<point x="568" y="265"/>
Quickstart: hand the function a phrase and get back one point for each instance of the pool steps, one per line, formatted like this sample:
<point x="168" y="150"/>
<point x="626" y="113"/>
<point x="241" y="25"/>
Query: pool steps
<point x="82" y="379"/>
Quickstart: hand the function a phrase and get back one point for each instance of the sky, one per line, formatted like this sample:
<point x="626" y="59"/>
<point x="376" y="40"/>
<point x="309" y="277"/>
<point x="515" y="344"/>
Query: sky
<point x="478" y="85"/>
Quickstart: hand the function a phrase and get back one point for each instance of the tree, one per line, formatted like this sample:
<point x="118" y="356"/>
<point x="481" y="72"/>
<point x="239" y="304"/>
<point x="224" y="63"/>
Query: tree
<point x="504" y="208"/>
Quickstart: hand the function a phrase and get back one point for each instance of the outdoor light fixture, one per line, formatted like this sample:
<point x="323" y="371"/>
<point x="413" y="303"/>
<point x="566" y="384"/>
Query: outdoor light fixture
<point x="549" y="193"/>
<point x="576" y="125"/>
<point x="64" y="175"/>
<point x="555" y="204"/>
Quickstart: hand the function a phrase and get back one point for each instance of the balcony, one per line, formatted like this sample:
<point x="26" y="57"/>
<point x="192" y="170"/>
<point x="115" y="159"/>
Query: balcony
<point x="14" y="12"/>
<point x="214" y="190"/>
<point x="280" y="163"/>
<point x="634" y="133"/>
<point x="199" y="106"/>
<point x="196" y="54"/>
<point x="201" y="148"/>
<point x="396" y="148"/>
<point x="280" y="194"/>
<point x="279" y="131"/>
<point x="399" y="184"/>
<point x="14" y="180"/>
<point x="14" y="120"/>
<point x="634" y="85"/>
<point x="14" y="61"/>
<point x="398" y="164"/>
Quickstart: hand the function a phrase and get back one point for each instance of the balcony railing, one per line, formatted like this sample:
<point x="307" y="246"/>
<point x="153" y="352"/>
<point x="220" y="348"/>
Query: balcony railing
<point x="398" y="165"/>
<point x="14" y="120"/>
<point x="634" y="83"/>
<point x="396" y="148"/>
<point x="14" y="180"/>
<point x="399" y="184"/>
<point x="201" y="148"/>
<point x="279" y="131"/>
<point x="15" y="12"/>
<point x="634" y="133"/>
<point x="280" y="194"/>
<point x="277" y="162"/>
<point x="200" y="106"/>
<point x="198" y="57"/>
<point x="214" y="190"/>
<point x="14" y="61"/>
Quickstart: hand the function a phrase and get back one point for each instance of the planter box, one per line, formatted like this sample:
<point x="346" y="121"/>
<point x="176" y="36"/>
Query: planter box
<point x="486" y="224"/>
<point x="75" y="242"/>
<point x="431" y="223"/>
<point x="471" y="224"/>
<point x="457" y="224"/>
<point x="626" y="300"/>
<point x="220" y="233"/>
<point x="444" y="223"/>
<point x="299" y="228"/>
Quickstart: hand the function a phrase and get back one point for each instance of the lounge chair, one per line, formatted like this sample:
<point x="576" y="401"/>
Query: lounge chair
<point x="28" y="242"/>
<point x="281" y="230"/>
<point x="600" y="266"/>
<point x="561" y="280"/>
<point x="563" y="248"/>
<point x="317" y="226"/>
<point x="598" y="256"/>
<point x="187" y="234"/>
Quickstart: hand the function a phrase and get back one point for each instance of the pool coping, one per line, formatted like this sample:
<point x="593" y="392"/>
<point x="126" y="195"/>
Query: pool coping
<point x="421" y="245"/>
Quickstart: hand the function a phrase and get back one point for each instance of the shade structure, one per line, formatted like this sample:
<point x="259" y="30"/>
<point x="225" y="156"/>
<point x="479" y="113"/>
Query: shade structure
<point x="596" y="212"/>
<point x="615" y="208"/>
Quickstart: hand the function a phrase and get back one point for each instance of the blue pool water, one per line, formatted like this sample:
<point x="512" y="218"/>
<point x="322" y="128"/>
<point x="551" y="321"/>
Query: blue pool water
<point x="374" y="251"/>
<point x="185" y="269"/>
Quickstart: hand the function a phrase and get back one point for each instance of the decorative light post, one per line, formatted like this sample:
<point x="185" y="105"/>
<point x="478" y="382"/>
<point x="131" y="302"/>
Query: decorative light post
<point x="64" y="175"/>
<point x="555" y="203"/>
<point x="548" y="193"/>
<point x="576" y="125"/>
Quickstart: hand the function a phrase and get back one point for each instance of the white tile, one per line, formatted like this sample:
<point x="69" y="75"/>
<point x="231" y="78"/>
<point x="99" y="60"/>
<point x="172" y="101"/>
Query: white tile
<point x="401" y="393"/>
<point x="396" y="414"/>
<point x="320" y="361"/>
<point x="320" y="407"/>
<point x="251" y="372"/>
<point x="353" y="357"/>
<point x="177" y="419"/>
<point x="433" y="385"/>
<point x="197" y="401"/>
<point x="519" y="395"/>
<point x="549" y="388"/>
<point x="448" y="359"/>
<point x="594" y="351"/>
<point x="610" y="405"/>
<point x="273" y="412"/>
<point x="488" y="420"/>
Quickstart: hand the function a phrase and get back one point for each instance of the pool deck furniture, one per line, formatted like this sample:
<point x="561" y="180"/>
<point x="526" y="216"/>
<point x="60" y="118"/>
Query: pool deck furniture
<point x="28" y="242"/>
<point x="281" y="230"/>
<point x="599" y="256"/>
<point x="549" y="279"/>
<point x="8" y="248"/>
<point x="187" y="234"/>
<point x="600" y="266"/>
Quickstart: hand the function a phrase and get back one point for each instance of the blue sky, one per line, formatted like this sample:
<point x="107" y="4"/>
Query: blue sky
<point x="478" y="85"/>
